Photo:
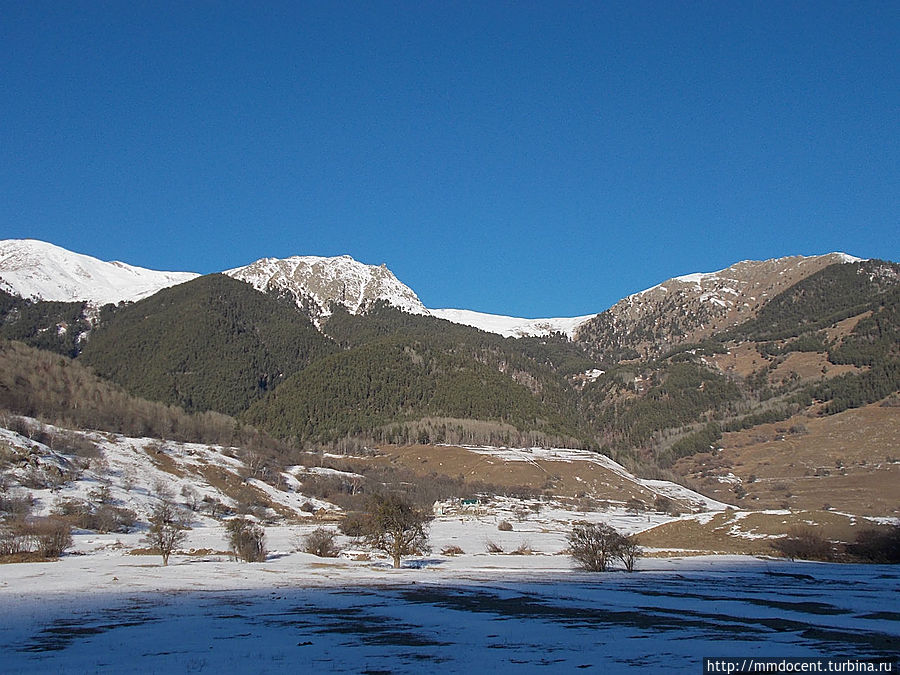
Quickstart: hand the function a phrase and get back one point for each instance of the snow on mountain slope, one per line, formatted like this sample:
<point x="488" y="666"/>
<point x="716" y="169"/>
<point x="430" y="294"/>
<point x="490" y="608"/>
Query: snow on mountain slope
<point x="41" y="271"/>
<point x="510" y="326"/>
<point x="315" y="282"/>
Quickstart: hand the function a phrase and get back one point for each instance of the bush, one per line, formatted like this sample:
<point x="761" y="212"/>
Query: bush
<point x="353" y="525"/>
<point x="46" y="537"/>
<point x="320" y="542"/>
<point x="635" y="505"/>
<point x="50" y="536"/>
<point x="880" y="546"/>
<point x="805" y="544"/>
<point x="16" y="507"/>
<point x="247" y="540"/>
<point x="13" y="538"/>
<point x="594" y="546"/>
<point x="523" y="548"/>
<point x="100" y="518"/>
<point x="492" y="547"/>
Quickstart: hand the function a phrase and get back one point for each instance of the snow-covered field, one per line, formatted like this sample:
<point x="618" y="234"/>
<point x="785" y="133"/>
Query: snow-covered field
<point x="295" y="614"/>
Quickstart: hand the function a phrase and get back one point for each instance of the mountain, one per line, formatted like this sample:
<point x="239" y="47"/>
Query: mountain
<point x="738" y="358"/>
<point x="689" y="309"/>
<point x="37" y="270"/>
<point x="315" y="283"/>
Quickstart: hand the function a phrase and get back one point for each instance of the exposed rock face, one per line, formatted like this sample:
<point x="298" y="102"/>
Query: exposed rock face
<point x="315" y="283"/>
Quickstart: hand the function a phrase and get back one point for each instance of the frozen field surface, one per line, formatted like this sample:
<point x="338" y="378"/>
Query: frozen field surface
<point x="663" y="618"/>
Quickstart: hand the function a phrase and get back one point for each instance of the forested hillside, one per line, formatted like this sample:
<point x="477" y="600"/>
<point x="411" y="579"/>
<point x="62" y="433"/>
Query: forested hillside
<point x="209" y="344"/>
<point x="822" y="299"/>
<point x="56" y="326"/>
<point x="60" y="391"/>
<point x="375" y="388"/>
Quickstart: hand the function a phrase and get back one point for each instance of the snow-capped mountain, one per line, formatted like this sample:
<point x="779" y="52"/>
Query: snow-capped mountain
<point x="511" y="326"/>
<point x="40" y="271"/>
<point x="315" y="283"/>
<point x="707" y="301"/>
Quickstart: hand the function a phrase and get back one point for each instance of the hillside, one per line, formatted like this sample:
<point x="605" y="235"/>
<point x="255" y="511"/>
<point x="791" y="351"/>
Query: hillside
<point x="373" y="390"/>
<point x="692" y="308"/>
<point x="213" y="343"/>
<point x="53" y="325"/>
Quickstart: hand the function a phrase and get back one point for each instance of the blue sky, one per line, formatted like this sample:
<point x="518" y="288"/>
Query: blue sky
<point x="528" y="158"/>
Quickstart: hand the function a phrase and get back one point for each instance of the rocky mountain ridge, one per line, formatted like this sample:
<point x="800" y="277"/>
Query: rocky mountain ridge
<point x="684" y="309"/>
<point x="691" y="308"/>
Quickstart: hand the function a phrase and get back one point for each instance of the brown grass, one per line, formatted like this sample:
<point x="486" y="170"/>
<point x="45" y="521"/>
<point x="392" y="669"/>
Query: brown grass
<point x="557" y="477"/>
<point x="726" y="533"/>
<point x="849" y="461"/>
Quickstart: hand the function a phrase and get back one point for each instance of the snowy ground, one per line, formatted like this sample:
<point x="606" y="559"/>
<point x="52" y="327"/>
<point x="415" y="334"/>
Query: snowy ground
<point x="344" y="617"/>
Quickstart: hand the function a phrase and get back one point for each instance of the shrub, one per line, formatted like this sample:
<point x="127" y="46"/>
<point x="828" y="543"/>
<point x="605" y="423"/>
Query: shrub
<point x="247" y="540"/>
<point x="524" y="548"/>
<point x="320" y="542"/>
<point x="50" y="536"/>
<point x="804" y="543"/>
<point x="353" y="525"/>
<point x="593" y="546"/>
<point x="101" y="518"/>
<point x="635" y="505"/>
<point x="46" y="537"/>
<point x="13" y="538"/>
<point x="881" y="546"/>
<point x="492" y="547"/>
<point x="17" y="507"/>
<point x="662" y="504"/>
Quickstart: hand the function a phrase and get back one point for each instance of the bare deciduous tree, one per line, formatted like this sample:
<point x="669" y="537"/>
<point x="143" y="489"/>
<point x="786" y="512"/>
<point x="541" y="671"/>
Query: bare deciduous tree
<point x="247" y="539"/>
<point x="168" y="529"/>
<point x="629" y="552"/>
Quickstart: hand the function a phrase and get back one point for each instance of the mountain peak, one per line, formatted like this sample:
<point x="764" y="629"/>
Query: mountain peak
<point x="316" y="282"/>
<point x="42" y="271"/>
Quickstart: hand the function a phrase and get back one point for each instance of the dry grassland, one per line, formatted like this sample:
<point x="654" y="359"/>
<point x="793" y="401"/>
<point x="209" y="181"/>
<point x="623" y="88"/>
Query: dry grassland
<point x="849" y="462"/>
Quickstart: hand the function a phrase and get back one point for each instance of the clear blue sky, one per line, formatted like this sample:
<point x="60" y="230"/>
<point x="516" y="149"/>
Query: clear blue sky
<point x="529" y="158"/>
